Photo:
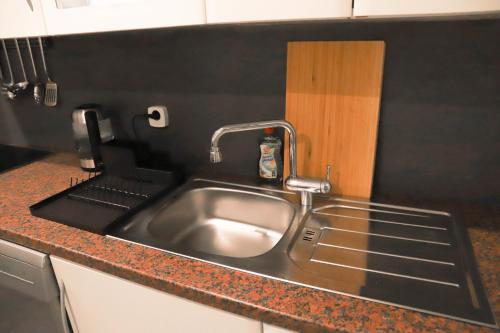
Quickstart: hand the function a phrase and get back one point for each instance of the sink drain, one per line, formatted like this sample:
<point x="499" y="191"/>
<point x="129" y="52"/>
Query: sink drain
<point x="308" y="235"/>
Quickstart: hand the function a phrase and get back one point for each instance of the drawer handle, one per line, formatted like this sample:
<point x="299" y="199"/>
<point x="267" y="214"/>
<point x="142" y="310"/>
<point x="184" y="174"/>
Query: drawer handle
<point x="30" y="4"/>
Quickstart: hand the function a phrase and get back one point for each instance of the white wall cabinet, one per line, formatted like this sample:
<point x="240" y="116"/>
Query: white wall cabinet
<point x="422" y="7"/>
<point x="21" y="18"/>
<point x="87" y="16"/>
<point x="101" y="303"/>
<point x="224" y="11"/>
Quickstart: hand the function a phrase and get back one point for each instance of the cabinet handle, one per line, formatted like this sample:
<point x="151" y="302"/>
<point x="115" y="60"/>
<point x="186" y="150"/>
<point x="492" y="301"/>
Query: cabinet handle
<point x="62" y="301"/>
<point x="64" y="4"/>
<point x="30" y="4"/>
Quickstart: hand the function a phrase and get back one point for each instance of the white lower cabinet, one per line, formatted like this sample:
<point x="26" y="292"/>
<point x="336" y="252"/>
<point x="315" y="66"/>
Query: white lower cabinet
<point x="101" y="303"/>
<point x="274" y="329"/>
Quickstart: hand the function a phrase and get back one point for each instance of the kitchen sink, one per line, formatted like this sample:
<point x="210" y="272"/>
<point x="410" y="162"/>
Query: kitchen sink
<point x="221" y="221"/>
<point x="412" y="258"/>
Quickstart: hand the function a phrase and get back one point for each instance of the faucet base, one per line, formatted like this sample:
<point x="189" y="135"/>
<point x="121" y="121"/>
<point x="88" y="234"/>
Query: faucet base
<point x="306" y="198"/>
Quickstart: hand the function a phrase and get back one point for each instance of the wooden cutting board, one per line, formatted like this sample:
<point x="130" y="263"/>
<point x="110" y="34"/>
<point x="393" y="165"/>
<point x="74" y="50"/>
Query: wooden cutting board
<point x="332" y="98"/>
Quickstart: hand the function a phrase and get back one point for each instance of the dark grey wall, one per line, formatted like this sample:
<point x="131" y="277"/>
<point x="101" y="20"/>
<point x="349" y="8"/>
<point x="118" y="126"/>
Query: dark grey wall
<point x="440" y="120"/>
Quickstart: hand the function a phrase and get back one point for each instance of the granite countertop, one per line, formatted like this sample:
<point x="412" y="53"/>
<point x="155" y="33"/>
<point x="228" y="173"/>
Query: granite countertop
<point x="275" y="302"/>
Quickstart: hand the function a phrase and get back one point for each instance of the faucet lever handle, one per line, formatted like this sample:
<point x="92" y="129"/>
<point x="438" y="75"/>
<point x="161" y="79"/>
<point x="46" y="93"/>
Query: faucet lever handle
<point x="326" y="186"/>
<point x="328" y="172"/>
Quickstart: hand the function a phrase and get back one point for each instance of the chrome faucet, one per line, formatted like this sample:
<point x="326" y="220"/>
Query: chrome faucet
<point x="306" y="186"/>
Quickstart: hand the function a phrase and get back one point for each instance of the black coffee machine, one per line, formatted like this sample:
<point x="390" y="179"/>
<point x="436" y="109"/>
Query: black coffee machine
<point x="90" y="129"/>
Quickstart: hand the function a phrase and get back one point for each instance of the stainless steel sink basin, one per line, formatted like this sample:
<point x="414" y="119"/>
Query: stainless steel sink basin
<point x="226" y="222"/>
<point x="413" y="258"/>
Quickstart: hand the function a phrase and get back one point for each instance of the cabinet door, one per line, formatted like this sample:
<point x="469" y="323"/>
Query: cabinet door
<point x="21" y="18"/>
<point x="101" y="303"/>
<point x="84" y="16"/>
<point x="221" y="11"/>
<point x="275" y="329"/>
<point x="422" y="7"/>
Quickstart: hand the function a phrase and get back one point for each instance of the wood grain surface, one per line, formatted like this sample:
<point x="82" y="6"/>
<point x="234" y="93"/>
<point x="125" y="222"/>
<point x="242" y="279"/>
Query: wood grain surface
<point x="333" y="92"/>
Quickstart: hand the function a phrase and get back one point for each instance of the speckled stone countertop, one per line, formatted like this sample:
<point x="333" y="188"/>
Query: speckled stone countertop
<point x="294" y="307"/>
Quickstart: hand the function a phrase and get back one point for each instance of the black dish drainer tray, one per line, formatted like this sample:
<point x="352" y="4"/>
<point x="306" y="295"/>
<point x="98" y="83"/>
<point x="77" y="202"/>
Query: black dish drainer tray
<point x="99" y="202"/>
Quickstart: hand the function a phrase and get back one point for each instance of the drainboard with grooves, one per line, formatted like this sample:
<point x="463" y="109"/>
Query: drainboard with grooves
<point x="406" y="258"/>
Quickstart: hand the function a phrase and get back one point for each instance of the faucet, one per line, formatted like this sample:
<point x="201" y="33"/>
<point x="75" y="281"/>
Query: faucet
<point x="306" y="186"/>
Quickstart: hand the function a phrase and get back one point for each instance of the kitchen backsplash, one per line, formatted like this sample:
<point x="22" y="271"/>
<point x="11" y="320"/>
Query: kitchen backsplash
<point x="440" y="119"/>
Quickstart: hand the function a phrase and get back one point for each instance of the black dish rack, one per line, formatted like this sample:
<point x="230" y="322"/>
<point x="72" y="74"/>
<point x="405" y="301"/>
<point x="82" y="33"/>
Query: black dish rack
<point x="101" y="201"/>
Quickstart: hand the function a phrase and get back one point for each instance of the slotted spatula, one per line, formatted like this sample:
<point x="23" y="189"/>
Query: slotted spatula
<point x="50" y="86"/>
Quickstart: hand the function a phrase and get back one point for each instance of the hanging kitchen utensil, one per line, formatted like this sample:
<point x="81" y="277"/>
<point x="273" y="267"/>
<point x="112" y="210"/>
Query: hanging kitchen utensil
<point x="2" y="81"/>
<point x="23" y="84"/>
<point x="11" y="95"/>
<point x="50" y="86"/>
<point x="38" y="88"/>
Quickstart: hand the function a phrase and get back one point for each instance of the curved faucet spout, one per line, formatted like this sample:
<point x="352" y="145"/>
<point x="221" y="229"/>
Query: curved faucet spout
<point x="216" y="155"/>
<point x="306" y="186"/>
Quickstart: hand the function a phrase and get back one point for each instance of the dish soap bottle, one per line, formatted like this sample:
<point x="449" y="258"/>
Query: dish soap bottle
<point x="270" y="163"/>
